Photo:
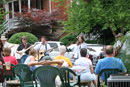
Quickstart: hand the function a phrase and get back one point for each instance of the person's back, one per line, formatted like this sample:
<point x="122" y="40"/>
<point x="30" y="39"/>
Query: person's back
<point x="109" y="62"/>
<point x="62" y="51"/>
<point x="8" y="58"/>
<point x="66" y="60"/>
<point x="11" y="59"/>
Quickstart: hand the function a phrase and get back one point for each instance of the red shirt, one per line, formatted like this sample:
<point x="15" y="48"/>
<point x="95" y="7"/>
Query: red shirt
<point x="12" y="59"/>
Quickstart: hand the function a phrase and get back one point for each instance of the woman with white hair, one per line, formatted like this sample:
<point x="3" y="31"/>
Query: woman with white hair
<point x="67" y="62"/>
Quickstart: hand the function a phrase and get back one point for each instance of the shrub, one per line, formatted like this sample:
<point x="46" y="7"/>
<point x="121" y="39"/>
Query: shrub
<point x="68" y="39"/>
<point x="16" y="38"/>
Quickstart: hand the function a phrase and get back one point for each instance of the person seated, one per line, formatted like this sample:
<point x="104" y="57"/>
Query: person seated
<point x="67" y="61"/>
<point x="46" y="61"/>
<point x="110" y="62"/>
<point x="83" y="61"/>
<point x="31" y="57"/>
<point x="8" y="58"/>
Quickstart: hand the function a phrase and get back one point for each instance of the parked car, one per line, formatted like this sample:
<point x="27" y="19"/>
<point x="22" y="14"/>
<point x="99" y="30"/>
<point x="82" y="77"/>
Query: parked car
<point x="96" y="47"/>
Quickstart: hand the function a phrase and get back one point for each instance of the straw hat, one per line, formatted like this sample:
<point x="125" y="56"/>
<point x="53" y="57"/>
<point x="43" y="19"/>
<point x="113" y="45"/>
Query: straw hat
<point x="119" y="35"/>
<point x="3" y="38"/>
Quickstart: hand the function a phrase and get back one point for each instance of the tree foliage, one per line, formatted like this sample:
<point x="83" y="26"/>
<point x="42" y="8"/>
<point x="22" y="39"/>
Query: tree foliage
<point x="37" y="17"/>
<point x="110" y="14"/>
<point x="2" y="14"/>
<point x="68" y="39"/>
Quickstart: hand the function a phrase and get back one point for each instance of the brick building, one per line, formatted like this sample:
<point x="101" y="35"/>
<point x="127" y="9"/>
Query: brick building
<point x="48" y="5"/>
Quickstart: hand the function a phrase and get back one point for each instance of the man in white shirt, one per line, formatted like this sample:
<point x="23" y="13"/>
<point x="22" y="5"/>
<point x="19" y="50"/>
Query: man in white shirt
<point x="118" y="44"/>
<point x="43" y="46"/>
<point x="5" y="43"/>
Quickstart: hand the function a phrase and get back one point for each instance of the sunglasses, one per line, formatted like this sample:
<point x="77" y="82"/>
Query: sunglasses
<point x="24" y="39"/>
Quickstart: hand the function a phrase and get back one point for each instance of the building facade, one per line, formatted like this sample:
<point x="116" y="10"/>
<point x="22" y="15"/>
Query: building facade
<point x="17" y="5"/>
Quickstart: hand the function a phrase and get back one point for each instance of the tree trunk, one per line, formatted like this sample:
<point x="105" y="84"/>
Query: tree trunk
<point x="113" y="32"/>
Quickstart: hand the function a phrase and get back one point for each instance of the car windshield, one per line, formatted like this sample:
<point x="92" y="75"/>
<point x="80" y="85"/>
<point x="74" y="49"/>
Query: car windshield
<point x="61" y="43"/>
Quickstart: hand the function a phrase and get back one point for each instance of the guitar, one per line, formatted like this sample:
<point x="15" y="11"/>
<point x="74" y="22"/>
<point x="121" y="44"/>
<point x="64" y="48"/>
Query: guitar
<point x="24" y="50"/>
<point x="42" y="53"/>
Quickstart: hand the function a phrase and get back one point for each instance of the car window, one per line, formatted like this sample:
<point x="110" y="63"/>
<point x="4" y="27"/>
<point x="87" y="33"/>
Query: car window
<point x="61" y="43"/>
<point x="53" y="45"/>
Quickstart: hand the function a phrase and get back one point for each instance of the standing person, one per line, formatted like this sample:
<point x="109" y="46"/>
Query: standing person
<point x="43" y="46"/>
<point x="118" y="44"/>
<point x="8" y="58"/>
<point x="24" y="45"/>
<point x="1" y="63"/>
<point x="83" y="61"/>
<point x="5" y="43"/>
<point x="80" y="44"/>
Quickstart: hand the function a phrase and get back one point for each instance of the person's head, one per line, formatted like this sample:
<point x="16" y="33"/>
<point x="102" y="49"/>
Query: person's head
<point x="80" y="40"/>
<point x="62" y="49"/>
<point x="43" y="39"/>
<point x="33" y="52"/>
<point x="24" y="39"/>
<point x="109" y="50"/>
<point x="1" y="46"/>
<point x="7" y="51"/>
<point x="119" y="35"/>
<point x="83" y="52"/>
<point x="3" y="39"/>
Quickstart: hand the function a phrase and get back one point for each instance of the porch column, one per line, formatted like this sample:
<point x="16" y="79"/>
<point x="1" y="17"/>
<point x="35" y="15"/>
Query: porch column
<point x="12" y="9"/>
<point x="29" y="7"/>
<point x="50" y="5"/>
<point x="7" y="10"/>
<point x="20" y="6"/>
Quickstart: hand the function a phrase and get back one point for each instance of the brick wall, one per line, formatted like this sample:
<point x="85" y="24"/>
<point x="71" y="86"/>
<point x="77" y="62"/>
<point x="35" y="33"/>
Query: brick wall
<point x="62" y="9"/>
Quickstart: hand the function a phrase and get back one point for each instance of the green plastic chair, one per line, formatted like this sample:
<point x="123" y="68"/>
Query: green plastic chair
<point x="9" y="74"/>
<point x="107" y="73"/>
<point x="25" y="75"/>
<point x="66" y="73"/>
<point x="46" y="76"/>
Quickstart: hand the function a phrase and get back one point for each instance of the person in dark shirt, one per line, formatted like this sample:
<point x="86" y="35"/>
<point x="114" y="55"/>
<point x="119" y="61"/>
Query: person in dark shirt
<point x="23" y="46"/>
<point x="1" y="63"/>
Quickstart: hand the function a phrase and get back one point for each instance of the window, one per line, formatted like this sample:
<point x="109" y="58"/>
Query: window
<point x="54" y="45"/>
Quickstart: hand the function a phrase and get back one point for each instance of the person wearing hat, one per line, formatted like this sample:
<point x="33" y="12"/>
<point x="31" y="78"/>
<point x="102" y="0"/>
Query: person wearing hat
<point x="5" y="43"/>
<point x="118" y="44"/>
<point x="22" y="46"/>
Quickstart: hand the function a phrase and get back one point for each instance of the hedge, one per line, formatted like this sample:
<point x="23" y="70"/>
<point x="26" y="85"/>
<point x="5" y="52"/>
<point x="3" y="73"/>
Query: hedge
<point x="70" y="38"/>
<point x="16" y="38"/>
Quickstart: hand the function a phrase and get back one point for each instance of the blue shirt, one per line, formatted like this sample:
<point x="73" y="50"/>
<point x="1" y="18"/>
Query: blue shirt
<point x="109" y="63"/>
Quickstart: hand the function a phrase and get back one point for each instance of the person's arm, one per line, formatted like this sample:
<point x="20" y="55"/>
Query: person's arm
<point x="0" y="63"/>
<point x="97" y="69"/>
<point x="36" y="63"/>
<point x="58" y="62"/>
<point x="32" y="59"/>
<point x="74" y="51"/>
<point x="49" y="48"/>
<point x="123" y="67"/>
<point x="91" y="69"/>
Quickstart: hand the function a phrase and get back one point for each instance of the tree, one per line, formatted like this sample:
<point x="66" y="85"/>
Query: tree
<point x="84" y="15"/>
<point x="37" y="17"/>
